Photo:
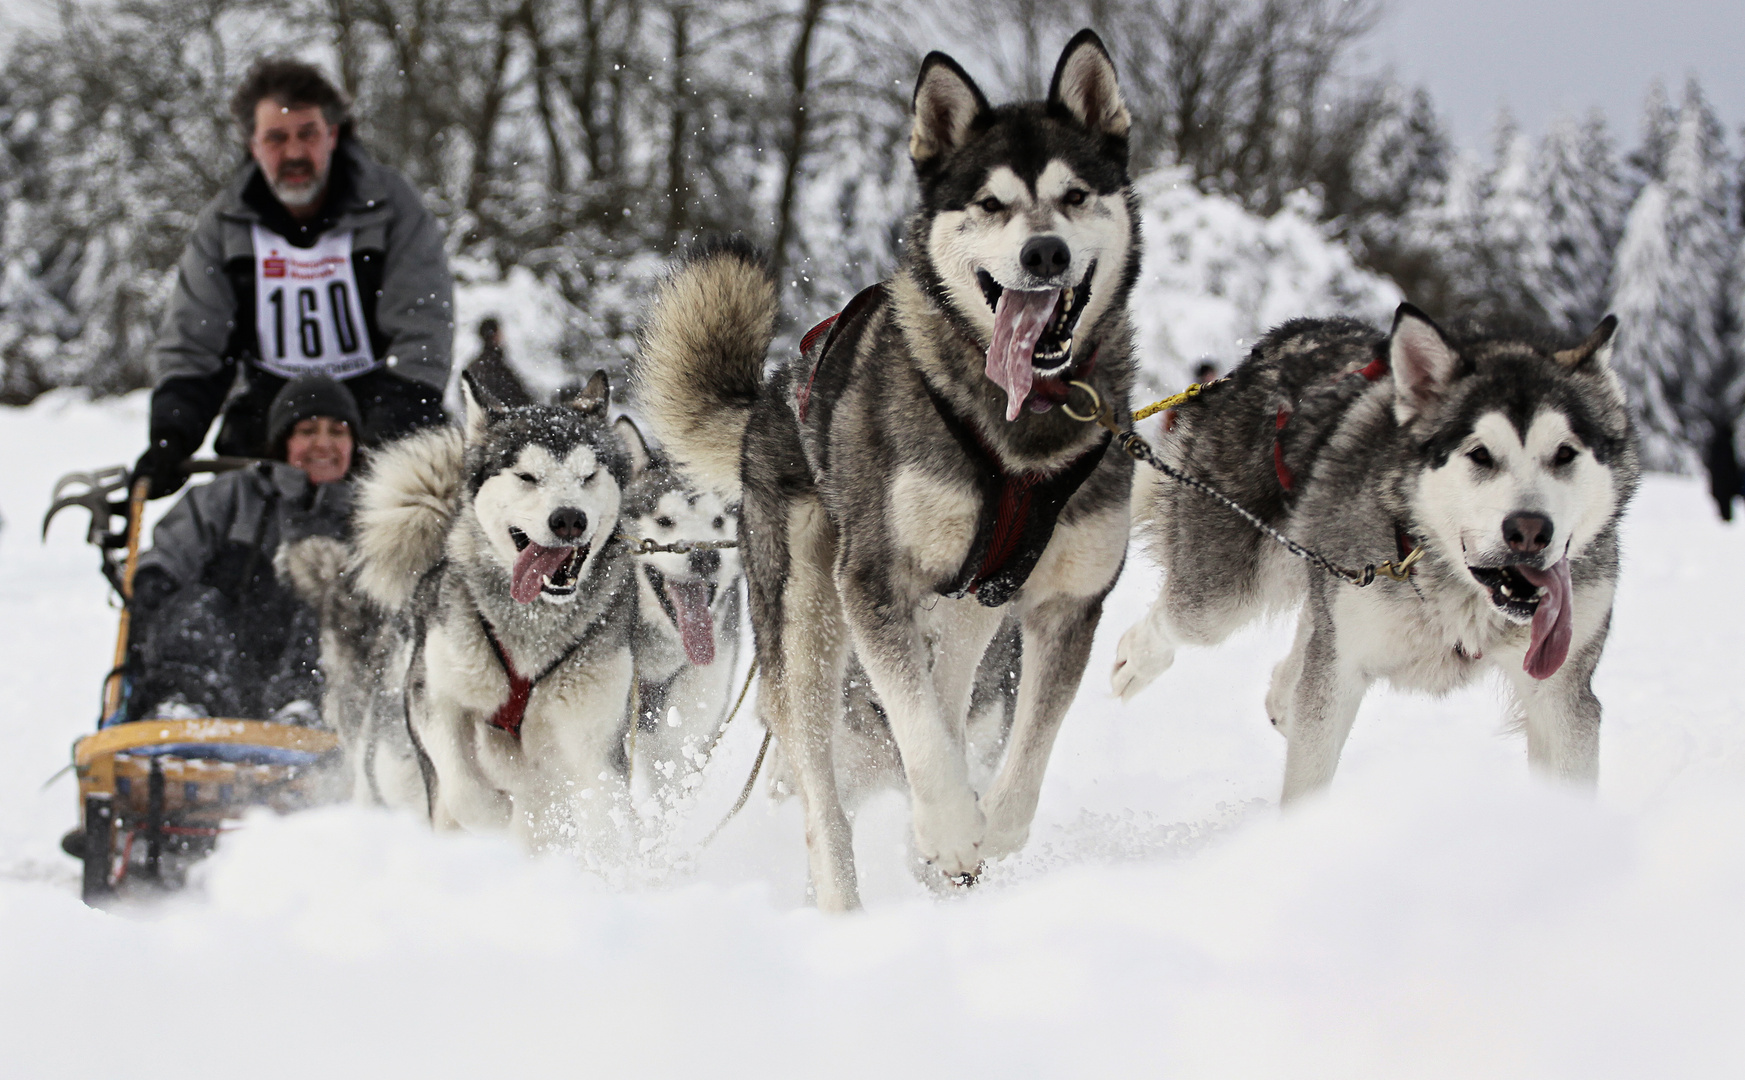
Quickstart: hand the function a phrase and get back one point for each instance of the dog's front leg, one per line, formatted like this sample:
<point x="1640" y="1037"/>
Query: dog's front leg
<point x="948" y="823"/>
<point x="1561" y="714"/>
<point x="1323" y="704"/>
<point x="464" y="795"/>
<point x="1057" y="644"/>
<point x="1145" y="651"/>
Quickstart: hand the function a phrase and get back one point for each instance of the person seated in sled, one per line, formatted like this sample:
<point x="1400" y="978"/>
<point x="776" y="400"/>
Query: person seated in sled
<point x="214" y="631"/>
<point x="313" y="259"/>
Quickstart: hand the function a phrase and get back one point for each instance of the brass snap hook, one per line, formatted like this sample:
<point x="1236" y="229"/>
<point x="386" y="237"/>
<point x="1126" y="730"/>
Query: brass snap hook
<point x="1401" y="571"/>
<point x="1096" y="401"/>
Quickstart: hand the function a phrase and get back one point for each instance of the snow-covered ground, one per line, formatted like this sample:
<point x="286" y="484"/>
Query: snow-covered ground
<point x="1438" y="914"/>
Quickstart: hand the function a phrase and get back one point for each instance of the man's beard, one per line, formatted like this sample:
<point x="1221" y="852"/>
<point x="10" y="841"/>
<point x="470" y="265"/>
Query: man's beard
<point x="303" y="189"/>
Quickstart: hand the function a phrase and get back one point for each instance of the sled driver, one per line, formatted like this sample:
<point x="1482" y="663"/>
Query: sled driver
<point x="215" y="633"/>
<point x="315" y="260"/>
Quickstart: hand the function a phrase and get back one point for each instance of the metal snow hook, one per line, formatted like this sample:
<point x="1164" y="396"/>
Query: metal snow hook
<point x="1139" y="450"/>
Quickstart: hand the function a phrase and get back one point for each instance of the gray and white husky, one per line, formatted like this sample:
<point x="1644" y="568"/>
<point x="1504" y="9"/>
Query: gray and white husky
<point x="509" y="612"/>
<point x="911" y="479"/>
<point x="1507" y="462"/>
<point x="689" y="608"/>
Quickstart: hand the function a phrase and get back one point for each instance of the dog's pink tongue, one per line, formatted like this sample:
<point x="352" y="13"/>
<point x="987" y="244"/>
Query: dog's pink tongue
<point x="1552" y="626"/>
<point x="690" y="601"/>
<point x="532" y="567"/>
<point x="1019" y="319"/>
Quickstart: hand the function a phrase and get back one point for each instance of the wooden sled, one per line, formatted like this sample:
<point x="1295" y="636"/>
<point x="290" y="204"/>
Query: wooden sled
<point x="155" y="794"/>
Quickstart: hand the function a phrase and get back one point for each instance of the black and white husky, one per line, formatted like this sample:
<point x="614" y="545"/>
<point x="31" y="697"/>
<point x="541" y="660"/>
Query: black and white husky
<point x="1506" y="462"/>
<point x="911" y="479"/>
<point x="689" y="607"/>
<point x="507" y="610"/>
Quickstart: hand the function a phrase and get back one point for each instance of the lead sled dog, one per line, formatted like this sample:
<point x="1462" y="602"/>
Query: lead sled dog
<point x="911" y="478"/>
<point x="1506" y="462"/>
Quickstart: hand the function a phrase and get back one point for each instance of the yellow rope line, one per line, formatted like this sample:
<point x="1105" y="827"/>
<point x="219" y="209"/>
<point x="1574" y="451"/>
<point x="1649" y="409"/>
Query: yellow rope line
<point x="1167" y="403"/>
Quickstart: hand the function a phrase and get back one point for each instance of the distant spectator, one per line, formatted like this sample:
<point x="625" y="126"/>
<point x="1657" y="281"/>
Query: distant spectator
<point x="490" y="340"/>
<point x="1723" y="467"/>
<point x="490" y="369"/>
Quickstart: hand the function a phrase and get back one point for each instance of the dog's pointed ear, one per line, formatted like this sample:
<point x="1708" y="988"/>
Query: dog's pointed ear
<point x="480" y="408"/>
<point x="635" y="446"/>
<point x="1084" y="85"/>
<point x="946" y="106"/>
<point x="1422" y="360"/>
<point x="1594" y="351"/>
<point x="594" y="397"/>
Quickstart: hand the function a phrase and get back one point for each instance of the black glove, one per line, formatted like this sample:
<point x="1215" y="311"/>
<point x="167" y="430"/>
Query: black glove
<point x="152" y="585"/>
<point x="162" y="463"/>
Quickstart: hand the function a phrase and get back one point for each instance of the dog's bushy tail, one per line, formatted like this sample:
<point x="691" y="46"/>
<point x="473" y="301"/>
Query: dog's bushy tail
<point x="312" y="567"/>
<point x="405" y="504"/>
<point x="700" y="368"/>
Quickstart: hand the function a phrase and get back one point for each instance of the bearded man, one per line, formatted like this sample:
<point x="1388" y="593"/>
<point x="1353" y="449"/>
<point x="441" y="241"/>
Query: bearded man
<point x="314" y="260"/>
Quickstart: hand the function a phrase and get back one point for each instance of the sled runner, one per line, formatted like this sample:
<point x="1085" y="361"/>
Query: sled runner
<point x="154" y="794"/>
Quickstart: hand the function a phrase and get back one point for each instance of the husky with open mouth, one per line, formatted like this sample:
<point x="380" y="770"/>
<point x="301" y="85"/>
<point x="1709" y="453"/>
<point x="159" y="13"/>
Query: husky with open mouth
<point x="689" y="607"/>
<point x="507" y="610"/>
<point x="1506" y="463"/>
<point x="911" y="479"/>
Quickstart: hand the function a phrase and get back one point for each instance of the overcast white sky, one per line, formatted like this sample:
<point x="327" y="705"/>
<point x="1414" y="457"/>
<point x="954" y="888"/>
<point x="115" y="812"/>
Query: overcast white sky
<point x="1540" y="57"/>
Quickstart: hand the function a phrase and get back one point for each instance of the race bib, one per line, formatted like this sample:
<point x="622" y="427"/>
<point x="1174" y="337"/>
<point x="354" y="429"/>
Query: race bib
<point x="308" y="313"/>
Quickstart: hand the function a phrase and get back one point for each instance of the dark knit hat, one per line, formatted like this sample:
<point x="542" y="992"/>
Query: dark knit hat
<point x="304" y="397"/>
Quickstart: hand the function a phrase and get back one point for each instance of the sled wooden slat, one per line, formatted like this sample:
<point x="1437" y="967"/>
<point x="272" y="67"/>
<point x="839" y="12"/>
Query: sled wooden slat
<point x="143" y="734"/>
<point x="117" y="762"/>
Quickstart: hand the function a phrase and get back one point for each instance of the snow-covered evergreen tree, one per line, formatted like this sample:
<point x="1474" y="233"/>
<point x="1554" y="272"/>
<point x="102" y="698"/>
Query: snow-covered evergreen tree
<point x="1675" y="295"/>
<point x="1659" y="126"/>
<point x="1579" y="193"/>
<point x="1489" y="234"/>
<point x="1398" y="180"/>
<point x="1512" y="238"/>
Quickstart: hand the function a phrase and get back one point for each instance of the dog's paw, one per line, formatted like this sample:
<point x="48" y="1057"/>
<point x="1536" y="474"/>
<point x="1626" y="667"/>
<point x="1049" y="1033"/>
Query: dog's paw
<point x="1142" y="656"/>
<point x="1000" y="842"/>
<point x="1009" y="815"/>
<point x="949" y="836"/>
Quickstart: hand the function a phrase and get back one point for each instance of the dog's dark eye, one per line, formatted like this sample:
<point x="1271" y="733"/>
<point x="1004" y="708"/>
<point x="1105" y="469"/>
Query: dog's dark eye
<point x="1075" y="197"/>
<point x="1565" y="454"/>
<point x="527" y="477"/>
<point x="991" y="205"/>
<point x="664" y="522"/>
<point x="720" y="523"/>
<point x="1481" y="457"/>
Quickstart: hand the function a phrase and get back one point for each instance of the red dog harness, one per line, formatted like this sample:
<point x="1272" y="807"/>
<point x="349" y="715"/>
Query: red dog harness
<point x="512" y="712"/>
<point x="1371" y="372"/>
<point x="1019" y="508"/>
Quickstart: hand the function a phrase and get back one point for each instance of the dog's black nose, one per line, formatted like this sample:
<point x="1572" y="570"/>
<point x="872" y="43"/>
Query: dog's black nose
<point x="1528" y="534"/>
<point x="705" y="563"/>
<point x="568" y="523"/>
<point x="1045" y="256"/>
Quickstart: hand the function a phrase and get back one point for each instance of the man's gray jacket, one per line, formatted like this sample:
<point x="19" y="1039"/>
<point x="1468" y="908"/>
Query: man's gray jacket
<point x="397" y="256"/>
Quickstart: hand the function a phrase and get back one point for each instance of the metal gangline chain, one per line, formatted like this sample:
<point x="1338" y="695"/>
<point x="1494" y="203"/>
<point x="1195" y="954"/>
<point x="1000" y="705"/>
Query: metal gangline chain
<point x="1135" y="446"/>
<point x="644" y="545"/>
